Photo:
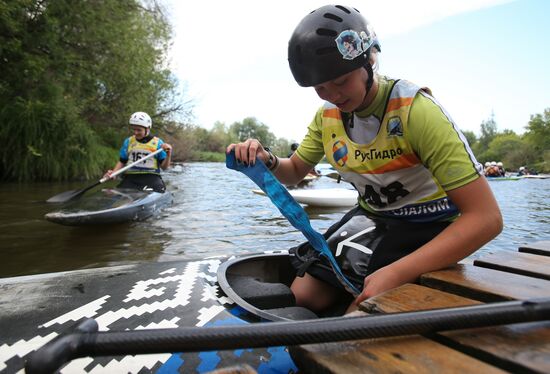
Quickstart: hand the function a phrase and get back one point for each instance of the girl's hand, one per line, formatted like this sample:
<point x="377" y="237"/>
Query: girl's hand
<point x="248" y="150"/>
<point x="380" y="281"/>
<point x="108" y="174"/>
<point x="167" y="148"/>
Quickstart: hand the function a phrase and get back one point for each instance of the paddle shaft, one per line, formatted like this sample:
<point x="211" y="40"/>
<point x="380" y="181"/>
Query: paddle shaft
<point x="70" y="195"/>
<point x="88" y="342"/>
<point x="122" y="170"/>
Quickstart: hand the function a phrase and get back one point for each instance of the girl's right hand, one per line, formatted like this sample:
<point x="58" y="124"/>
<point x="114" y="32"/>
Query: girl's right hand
<point x="108" y="174"/>
<point x="248" y="150"/>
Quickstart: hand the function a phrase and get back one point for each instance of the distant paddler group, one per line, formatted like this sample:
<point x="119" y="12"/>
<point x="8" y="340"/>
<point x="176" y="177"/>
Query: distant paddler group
<point x="494" y="169"/>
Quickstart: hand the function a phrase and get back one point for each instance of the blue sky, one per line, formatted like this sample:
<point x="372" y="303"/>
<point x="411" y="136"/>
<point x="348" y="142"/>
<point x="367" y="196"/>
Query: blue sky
<point x="477" y="56"/>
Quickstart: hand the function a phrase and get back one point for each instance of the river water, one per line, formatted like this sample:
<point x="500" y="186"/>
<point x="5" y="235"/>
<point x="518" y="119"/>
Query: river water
<point x="214" y="213"/>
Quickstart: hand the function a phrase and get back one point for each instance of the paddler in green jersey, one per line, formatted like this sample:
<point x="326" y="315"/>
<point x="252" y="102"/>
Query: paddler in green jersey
<point x="422" y="204"/>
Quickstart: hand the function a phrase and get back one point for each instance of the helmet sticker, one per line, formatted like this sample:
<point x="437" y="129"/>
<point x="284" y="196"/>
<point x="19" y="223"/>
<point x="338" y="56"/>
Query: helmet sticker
<point x="352" y="44"/>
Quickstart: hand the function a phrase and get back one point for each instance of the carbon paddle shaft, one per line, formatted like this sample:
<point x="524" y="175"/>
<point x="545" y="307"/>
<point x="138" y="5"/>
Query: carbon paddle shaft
<point x="54" y="354"/>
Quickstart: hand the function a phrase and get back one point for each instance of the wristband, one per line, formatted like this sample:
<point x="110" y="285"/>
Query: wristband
<point x="293" y="211"/>
<point x="273" y="161"/>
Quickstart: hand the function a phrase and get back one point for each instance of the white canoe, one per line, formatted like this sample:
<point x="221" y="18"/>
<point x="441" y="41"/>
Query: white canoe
<point x="325" y="197"/>
<point x="536" y="176"/>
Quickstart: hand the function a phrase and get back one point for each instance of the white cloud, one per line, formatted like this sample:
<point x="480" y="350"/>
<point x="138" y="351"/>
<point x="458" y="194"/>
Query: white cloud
<point x="232" y="55"/>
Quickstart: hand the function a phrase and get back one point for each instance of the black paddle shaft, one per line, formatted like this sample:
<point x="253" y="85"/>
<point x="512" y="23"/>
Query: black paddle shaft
<point x="87" y="342"/>
<point x="71" y="195"/>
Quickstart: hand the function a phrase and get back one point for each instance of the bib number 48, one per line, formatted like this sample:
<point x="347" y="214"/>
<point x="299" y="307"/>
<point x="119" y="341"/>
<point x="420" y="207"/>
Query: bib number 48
<point x="388" y="195"/>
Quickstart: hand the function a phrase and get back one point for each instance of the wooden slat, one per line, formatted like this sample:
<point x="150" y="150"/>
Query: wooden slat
<point x="486" y="285"/>
<point x="537" y="248"/>
<point x="412" y="354"/>
<point x="519" y="347"/>
<point x="404" y="354"/>
<point x="519" y="263"/>
<point x="417" y="297"/>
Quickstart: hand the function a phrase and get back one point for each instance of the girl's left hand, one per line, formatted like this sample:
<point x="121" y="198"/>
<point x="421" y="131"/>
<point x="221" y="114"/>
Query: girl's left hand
<point x="167" y="148"/>
<point x="380" y="281"/>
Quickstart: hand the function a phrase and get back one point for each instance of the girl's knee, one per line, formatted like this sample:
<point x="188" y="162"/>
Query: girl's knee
<point x="312" y="293"/>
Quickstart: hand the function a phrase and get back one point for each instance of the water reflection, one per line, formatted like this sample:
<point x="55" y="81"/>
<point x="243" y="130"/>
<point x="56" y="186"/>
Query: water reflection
<point x="525" y="206"/>
<point x="214" y="213"/>
<point x="29" y="244"/>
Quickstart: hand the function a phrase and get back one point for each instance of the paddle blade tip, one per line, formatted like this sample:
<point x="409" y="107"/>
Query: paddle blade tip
<point x="64" y="196"/>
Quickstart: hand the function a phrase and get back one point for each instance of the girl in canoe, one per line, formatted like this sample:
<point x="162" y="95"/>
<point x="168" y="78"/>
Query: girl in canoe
<point x="144" y="176"/>
<point x="422" y="204"/>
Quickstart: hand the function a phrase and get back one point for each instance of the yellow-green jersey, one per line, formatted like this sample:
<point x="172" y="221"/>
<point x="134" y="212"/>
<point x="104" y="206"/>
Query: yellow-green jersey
<point x="133" y="150"/>
<point x="411" y="154"/>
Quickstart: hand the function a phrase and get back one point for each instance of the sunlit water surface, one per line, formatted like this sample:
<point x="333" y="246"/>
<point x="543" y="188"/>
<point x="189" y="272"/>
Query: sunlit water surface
<point x="214" y="213"/>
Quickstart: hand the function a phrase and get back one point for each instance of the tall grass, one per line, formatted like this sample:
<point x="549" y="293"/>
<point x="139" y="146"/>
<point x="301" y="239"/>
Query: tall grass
<point x="48" y="141"/>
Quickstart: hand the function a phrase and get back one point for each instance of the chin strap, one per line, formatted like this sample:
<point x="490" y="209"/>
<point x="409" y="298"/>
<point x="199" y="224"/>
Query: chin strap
<point x="370" y="79"/>
<point x="290" y="209"/>
<point x="348" y="117"/>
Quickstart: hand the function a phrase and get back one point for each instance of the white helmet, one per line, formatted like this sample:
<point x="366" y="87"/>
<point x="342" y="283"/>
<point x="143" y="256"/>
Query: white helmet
<point x="487" y="164"/>
<point x="493" y="163"/>
<point x="500" y="164"/>
<point x="141" y="119"/>
<point x="522" y="168"/>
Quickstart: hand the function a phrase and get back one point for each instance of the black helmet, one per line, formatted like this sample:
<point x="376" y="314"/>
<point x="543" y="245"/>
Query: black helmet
<point x="294" y="146"/>
<point x="329" y="42"/>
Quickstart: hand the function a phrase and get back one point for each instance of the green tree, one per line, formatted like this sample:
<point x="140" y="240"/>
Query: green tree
<point x="538" y="131"/>
<point x="183" y="138"/>
<point x="72" y="72"/>
<point x="281" y="147"/>
<point x="511" y="149"/>
<point x="488" y="131"/>
<point x="218" y="138"/>
<point x="538" y="136"/>
<point x="251" y="128"/>
<point x="470" y="137"/>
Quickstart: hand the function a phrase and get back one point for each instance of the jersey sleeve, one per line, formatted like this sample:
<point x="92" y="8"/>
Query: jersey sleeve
<point x="440" y="145"/>
<point x="311" y="149"/>
<point x="123" y="153"/>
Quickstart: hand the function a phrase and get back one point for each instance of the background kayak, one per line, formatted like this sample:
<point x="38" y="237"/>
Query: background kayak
<point x="111" y="206"/>
<point x="499" y="179"/>
<point x="323" y="197"/>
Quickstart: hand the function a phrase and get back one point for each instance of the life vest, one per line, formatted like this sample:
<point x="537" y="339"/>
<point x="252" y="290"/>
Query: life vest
<point x="493" y="171"/>
<point x="387" y="173"/>
<point x="137" y="151"/>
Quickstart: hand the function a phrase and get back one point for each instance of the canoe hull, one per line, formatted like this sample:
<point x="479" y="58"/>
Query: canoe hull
<point x="111" y="206"/>
<point x="174" y="294"/>
<point x="502" y="179"/>
<point x="324" y="198"/>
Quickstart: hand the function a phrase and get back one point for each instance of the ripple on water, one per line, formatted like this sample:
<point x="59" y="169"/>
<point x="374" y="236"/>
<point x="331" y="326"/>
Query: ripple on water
<point x="214" y="213"/>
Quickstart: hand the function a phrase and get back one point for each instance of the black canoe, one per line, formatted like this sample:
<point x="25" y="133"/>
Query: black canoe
<point x="212" y="292"/>
<point x="260" y="284"/>
<point x="175" y="294"/>
<point x="110" y="206"/>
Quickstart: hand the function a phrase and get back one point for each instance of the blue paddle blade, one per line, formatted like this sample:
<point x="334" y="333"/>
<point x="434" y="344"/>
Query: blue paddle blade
<point x="296" y="215"/>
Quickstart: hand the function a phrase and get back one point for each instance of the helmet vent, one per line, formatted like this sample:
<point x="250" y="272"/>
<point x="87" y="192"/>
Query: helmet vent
<point x="326" y="50"/>
<point x="344" y="9"/>
<point x="333" y="17"/>
<point x="327" y="32"/>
